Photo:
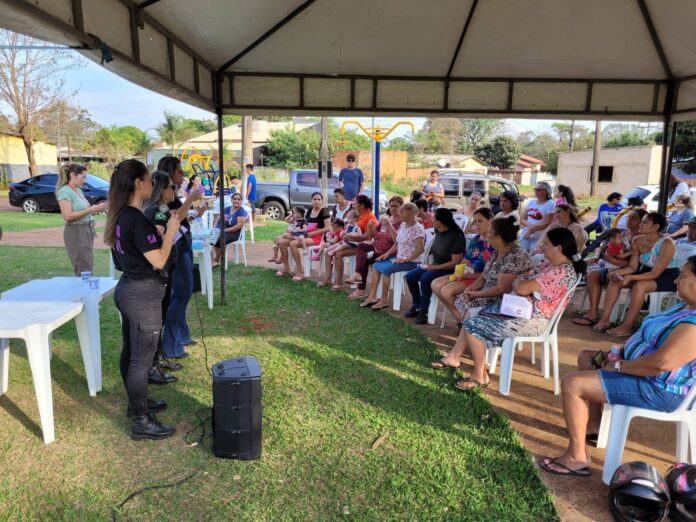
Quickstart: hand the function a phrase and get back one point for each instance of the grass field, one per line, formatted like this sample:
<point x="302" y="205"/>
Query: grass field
<point x="18" y="221"/>
<point x="355" y="424"/>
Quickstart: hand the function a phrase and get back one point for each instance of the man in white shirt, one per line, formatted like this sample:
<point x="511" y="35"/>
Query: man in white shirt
<point x="686" y="246"/>
<point x="681" y="187"/>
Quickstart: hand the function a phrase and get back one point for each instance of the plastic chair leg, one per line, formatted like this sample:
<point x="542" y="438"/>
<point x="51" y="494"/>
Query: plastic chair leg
<point x="432" y="309"/>
<point x="492" y="359"/>
<point x="618" y="430"/>
<point x="507" y="358"/>
<point x="554" y="355"/>
<point x="37" y="351"/>
<point x="4" y="364"/>
<point x="603" y="435"/>
<point x="398" y="283"/>
<point x="682" y="453"/>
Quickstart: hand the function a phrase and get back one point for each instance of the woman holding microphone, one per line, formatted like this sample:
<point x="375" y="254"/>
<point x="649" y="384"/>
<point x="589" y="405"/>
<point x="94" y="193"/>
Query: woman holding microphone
<point x="141" y="254"/>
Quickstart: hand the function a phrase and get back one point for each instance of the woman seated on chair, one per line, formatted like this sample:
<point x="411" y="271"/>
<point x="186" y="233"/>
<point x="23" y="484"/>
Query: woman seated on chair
<point x="318" y="223"/>
<point x="657" y="371"/>
<point x="597" y="275"/>
<point x="366" y="219"/>
<point x="545" y="286"/>
<point x="653" y="267"/>
<point x="234" y="219"/>
<point x="477" y="254"/>
<point x="565" y="218"/>
<point x="404" y="255"/>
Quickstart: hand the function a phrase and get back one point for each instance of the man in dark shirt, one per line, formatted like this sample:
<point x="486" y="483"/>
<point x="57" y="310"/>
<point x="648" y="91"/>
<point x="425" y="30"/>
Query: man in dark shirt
<point x="351" y="178"/>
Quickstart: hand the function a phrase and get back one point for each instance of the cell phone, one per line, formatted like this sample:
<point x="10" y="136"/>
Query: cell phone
<point x="598" y="359"/>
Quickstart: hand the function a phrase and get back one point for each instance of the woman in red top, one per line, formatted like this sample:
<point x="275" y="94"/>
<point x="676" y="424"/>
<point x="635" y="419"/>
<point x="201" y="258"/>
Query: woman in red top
<point x="381" y="243"/>
<point x="363" y="205"/>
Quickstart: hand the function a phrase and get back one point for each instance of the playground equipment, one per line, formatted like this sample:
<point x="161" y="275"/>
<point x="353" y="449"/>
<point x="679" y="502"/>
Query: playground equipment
<point x="377" y="134"/>
<point x="193" y="161"/>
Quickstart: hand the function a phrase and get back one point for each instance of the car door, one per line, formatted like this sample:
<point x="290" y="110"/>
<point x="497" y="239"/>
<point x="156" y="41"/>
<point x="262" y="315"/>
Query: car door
<point x="495" y="189"/>
<point x="45" y="191"/>
<point x="306" y="184"/>
<point x="453" y="197"/>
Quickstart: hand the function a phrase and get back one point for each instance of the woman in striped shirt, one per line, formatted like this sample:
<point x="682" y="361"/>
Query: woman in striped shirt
<point x="657" y="372"/>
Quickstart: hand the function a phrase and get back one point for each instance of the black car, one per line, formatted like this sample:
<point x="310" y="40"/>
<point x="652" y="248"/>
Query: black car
<point x="38" y="194"/>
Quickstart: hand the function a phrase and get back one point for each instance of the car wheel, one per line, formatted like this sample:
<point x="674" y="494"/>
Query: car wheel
<point x="274" y="210"/>
<point x="30" y="205"/>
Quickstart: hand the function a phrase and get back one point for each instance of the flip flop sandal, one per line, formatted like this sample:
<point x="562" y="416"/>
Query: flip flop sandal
<point x="619" y="335"/>
<point x="322" y="283"/>
<point x="584" y="321"/>
<point x="442" y="365"/>
<point x="599" y="329"/>
<point x="280" y="273"/>
<point x="273" y="260"/>
<point x="477" y="385"/>
<point x="380" y="307"/>
<point x="367" y="304"/>
<point x="582" y="472"/>
<point x="297" y="278"/>
<point x="336" y="288"/>
<point x="359" y="296"/>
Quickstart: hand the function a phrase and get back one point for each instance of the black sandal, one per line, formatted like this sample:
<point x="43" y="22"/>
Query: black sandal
<point x="582" y="472"/>
<point x="477" y="384"/>
<point x="442" y="365"/>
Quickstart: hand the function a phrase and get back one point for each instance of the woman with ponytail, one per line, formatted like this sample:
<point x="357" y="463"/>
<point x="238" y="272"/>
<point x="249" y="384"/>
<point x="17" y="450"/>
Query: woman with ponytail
<point x="544" y="286"/>
<point x="142" y="254"/>
<point x="78" y="233"/>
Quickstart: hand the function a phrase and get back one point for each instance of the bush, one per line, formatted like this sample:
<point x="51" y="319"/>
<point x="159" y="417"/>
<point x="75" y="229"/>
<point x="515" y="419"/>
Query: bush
<point x="101" y="170"/>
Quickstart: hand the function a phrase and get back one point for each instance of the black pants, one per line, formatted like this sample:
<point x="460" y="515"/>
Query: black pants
<point x="140" y="304"/>
<point x="230" y="237"/>
<point x="165" y="306"/>
<point x="599" y="237"/>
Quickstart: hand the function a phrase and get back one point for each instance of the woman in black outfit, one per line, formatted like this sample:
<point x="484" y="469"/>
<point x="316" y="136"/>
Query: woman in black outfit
<point x="141" y="254"/>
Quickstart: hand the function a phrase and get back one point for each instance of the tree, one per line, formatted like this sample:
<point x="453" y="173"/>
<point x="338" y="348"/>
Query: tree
<point x="117" y="143"/>
<point x="477" y="131"/>
<point x="627" y="138"/>
<point x="290" y="149"/>
<point x="201" y="126"/>
<point x="401" y="143"/>
<point x="174" y="130"/>
<point x="448" y="131"/>
<point x="66" y="123"/>
<point x="354" y="139"/>
<point x="546" y="147"/>
<point x="502" y="152"/>
<point x="30" y="85"/>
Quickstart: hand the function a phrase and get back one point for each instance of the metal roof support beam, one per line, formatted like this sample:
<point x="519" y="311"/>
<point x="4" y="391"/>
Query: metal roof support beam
<point x="218" y="80"/>
<point x="461" y="37"/>
<point x="655" y="38"/>
<point x="172" y="60"/>
<point x="665" y="172"/>
<point x="78" y="18"/>
<point x="147" y="3"/>
<point x="267" y="35"/>
<point x="135" y="40"/>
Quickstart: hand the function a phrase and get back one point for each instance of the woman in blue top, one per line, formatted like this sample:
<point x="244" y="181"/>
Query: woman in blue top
<point x="653" y="267"/>
<point x="657" y="372"/>
<point x="678" y="220"/>
<point x="234" y="219"/>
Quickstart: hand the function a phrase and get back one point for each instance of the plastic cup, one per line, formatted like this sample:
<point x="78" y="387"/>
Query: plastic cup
<point x="85" y="276"/>
<point x="94" y="283"/>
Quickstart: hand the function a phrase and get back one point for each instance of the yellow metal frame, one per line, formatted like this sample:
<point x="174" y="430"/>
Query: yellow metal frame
<point x="376" y="133"/>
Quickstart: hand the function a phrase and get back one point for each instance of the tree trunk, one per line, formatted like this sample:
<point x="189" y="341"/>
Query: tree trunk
<point x="29" y="147"/>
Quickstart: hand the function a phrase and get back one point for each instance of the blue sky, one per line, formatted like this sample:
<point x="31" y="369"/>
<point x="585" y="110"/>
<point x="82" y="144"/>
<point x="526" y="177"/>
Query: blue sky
<point x="111" y="100"/>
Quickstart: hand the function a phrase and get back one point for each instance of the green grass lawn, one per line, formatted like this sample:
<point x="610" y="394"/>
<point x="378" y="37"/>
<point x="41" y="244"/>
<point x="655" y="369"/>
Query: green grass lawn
<point x="267" y="230"/>
<point x="355" y="424"/>
<point x="18" y="221"/>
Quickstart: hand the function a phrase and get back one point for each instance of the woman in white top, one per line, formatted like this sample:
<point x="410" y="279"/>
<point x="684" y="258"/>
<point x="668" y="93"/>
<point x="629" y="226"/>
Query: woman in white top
<point x="342" y="204"/>
<point x="77" y="212"/>
<point x="537" y="216"/>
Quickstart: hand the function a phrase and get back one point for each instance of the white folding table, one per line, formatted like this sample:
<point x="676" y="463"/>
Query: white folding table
<point x="73" y="290"/>
<point x="34" y="321"/>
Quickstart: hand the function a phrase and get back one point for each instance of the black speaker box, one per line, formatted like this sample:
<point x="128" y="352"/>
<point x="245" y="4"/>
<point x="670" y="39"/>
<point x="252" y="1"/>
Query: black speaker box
<point x="237" y="408"/>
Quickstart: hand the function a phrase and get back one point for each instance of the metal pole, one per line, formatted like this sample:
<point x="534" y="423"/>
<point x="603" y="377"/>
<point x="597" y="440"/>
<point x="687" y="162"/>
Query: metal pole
<point x="665" y="176"/>
<point x="324" y="157"/>
<point x="375" y="187"/>
<point x="595" y="158"/>
<point x="221" y="188"/>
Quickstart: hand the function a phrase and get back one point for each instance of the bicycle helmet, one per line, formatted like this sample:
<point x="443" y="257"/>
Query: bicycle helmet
<point x="638" y="493"/>
<point x="681" y="481"/>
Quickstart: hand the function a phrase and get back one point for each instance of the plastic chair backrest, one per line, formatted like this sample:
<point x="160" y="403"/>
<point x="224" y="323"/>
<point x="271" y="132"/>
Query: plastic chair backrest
<point x="429" y="236"/>
<point x="562" y="305"/>
<point x="461" y="220"/>
<point x="606" y="219"/>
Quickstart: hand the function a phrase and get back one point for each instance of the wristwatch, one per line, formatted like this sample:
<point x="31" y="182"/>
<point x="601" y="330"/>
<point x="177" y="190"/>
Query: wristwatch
<point x="617" y="365"/>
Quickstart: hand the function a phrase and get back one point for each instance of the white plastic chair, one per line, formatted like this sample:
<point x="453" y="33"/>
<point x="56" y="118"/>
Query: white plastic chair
<point x="461" y="220"/>
<point x="237" y="245"/>
<point x="614" y="429"/>
<point x="549" y="339"/>
<point x="655" y="300"/>
<point x="249" y="221"/>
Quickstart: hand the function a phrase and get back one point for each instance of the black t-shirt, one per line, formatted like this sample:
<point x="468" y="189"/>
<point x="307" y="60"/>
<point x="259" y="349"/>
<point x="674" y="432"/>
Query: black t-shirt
<point x="319" y="218"/>
<point x="159" y="215"/>
<point x="135" y="236"/>
<point x="186" y="233"/>
<point x="447" y="244"/>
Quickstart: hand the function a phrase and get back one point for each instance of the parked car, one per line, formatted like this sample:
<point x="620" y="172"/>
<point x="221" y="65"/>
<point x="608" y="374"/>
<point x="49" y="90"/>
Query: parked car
<point x="650" y="194"/>
<point x="276" y="199"/>
<point x="38" y="194"/>
<point x="459" y="185"/>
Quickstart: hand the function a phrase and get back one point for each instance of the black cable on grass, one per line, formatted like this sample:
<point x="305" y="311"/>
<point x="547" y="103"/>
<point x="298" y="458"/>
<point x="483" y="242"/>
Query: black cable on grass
<point x="205" y="348"/>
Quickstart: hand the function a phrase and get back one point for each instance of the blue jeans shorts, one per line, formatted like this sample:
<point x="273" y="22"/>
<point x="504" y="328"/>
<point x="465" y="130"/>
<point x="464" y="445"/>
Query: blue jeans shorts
<point x="631" y="390"/>
<point x="389" y="266"/>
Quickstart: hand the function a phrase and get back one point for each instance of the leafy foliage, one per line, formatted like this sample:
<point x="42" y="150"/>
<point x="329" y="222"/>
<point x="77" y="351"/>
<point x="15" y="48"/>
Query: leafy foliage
<point x="502" y="152"/>
<point x="116" y="143"/>
<point x="175" y="130"/>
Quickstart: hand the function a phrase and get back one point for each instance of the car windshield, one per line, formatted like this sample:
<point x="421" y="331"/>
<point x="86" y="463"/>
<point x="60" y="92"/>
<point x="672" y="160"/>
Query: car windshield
<point x="96" y="182"/>
<point x="637" y="192"/>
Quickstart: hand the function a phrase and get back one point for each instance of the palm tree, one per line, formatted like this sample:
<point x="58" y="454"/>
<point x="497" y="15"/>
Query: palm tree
<point x="174" y="130"/>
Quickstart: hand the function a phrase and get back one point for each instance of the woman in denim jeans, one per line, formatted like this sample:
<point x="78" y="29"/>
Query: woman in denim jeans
<point x="141" y="253"/>
<point x="657" y="372"/>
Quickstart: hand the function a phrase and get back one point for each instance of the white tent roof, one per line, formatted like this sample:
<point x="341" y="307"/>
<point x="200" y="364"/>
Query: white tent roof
<point x="607" y="59"/>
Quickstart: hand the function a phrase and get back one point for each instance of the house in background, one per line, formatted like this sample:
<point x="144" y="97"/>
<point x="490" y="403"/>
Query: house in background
<point x="14" y="164"/>
<point x="232" y="140"/>
<point x="620" y="169"/>
<point x="528" y="170"/>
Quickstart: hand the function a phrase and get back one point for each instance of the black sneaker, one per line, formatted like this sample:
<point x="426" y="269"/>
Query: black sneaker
<point x="155" y="376"/>
<point x="148" y="427"/>
<point x="165" y="364"/>
<point x="413" y="312"/>
<point x="153" y="405"/>
<point x="422" y="317"/>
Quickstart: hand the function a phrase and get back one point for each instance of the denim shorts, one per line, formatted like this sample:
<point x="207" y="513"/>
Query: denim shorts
<point x="389" y="266"/>
<point x="631" y="390"/>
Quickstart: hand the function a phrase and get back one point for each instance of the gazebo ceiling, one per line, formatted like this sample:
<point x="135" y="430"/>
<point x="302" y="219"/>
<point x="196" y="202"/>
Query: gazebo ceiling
<point x="606" y="59"/>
